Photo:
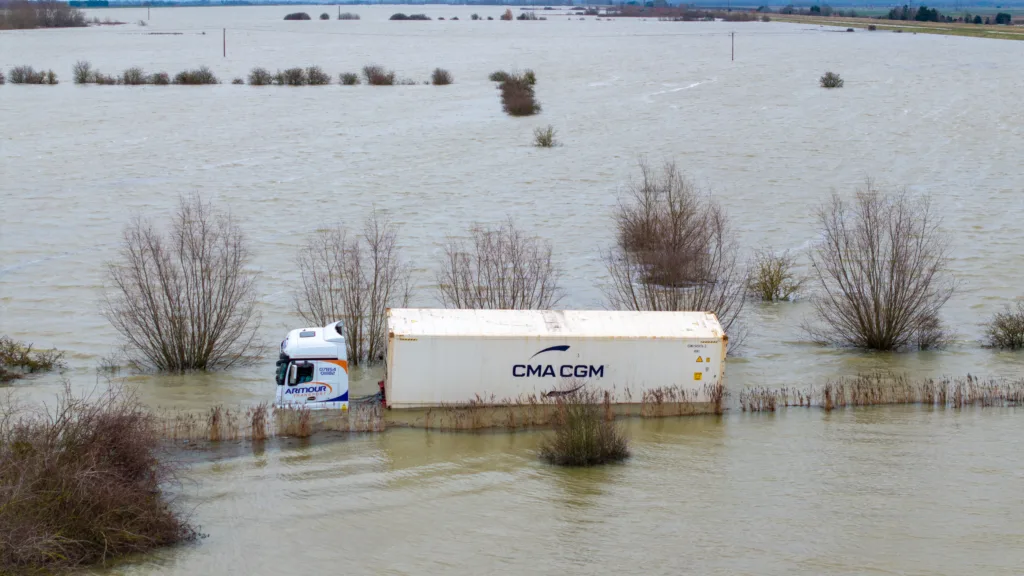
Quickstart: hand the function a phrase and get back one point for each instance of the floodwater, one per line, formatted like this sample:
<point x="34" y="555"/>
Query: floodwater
<point x="866" y="491"/>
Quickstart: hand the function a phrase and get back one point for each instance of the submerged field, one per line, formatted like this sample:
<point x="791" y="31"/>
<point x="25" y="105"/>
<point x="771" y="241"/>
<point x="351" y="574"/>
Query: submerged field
<point x="937" y="114"/>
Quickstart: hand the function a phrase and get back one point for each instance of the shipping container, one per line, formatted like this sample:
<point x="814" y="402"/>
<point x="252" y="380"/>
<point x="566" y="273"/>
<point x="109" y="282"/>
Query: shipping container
<point x="442" y="357"/>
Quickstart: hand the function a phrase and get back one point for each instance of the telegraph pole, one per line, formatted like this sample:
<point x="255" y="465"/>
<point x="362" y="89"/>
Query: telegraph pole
<point x="225" y="37"/>
<point x="732" y="35"/>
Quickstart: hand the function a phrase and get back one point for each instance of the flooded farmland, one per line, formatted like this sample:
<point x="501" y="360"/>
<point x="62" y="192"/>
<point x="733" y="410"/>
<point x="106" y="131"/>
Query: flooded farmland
<point x="796" y="492"/>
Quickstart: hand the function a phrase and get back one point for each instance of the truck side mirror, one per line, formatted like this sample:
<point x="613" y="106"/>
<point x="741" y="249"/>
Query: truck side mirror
<point x="293" y="372"/>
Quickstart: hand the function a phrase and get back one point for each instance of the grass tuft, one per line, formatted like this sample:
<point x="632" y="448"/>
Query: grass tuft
<point x="378" y="76"/>
<point x="584" y="433"/>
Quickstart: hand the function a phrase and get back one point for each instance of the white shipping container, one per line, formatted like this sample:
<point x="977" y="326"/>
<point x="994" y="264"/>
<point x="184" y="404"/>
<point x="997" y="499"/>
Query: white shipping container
<point x="440" y="356"/>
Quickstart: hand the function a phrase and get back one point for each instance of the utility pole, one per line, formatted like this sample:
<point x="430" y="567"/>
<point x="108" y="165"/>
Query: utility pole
<point x="147" y="11"/>
<point x="732" y="35"/>
<point x="225" y="32"/>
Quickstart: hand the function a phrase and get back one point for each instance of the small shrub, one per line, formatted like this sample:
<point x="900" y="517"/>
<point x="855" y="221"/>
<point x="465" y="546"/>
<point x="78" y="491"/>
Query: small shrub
<point x="400" y="16"/>
<point x="544" y="137"/>
<point x="530" y="77"/>
<point x="490" y="17"/>
<point x="82" y="72"/>
<point x="238" y="80"/>
<point x="528" y="15"/>
<point x="872" y="27"/>
<point x="1006" y="329"/>
<point x="297" y="16"/>
<point x="349" y="79"/>
<point x="378" y="76"/>
<point x="772" y="278"/>
<point x="831" y="80"/>
<point x="293" y="77"/>
<point x="499" y="76"/>
<point x="26" y="75"/>
<point x="325" y="16"/>
<point x="18" y="359"/>
<point x="583" y="435"/>
<point x="134" y="76"/>
<point x="104" y="79"/>
<point x="315" y="76"/>
<point x="260" y="77"/>
<point x="348" y="16"/>
<point x="766" y="18"/>
<point x="507" y="15"/>
<point x="50" y="78"/>
<point x="441" y="77"/>
<point x="199" y="76"/>
<point x="517" y="96"/>
<point x="83" y="483"/>
<point x="475" y="17"/>
<point x="160" y="79"/>
<point x="850" y="30"/>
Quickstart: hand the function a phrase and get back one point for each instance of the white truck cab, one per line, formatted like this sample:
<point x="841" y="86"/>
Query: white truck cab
<point x="312" y="371"/>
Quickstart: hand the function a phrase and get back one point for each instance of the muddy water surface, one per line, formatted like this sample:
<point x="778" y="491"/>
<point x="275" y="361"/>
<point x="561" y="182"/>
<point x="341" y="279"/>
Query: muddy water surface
<point x="886" y="491"/>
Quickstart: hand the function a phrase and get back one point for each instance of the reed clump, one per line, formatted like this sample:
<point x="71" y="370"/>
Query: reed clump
<point x="18" y="359"/>
<point x="831" y="80"/>
<point x="1006" y="329"/>
<point x="83" y="483"/>
<point x="378" y="76"/>
<point x="441" y="77"/>
<point x="196" y="77"/>
<point x="583" y="432"/>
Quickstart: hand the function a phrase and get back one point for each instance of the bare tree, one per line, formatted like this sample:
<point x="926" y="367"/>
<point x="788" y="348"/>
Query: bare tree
<point x="354" y="280"/>
<point x="184" y="300"/>
<point x="675" y="250"/>
<point x="882" y="268"/>
<point x="499" y="268"/>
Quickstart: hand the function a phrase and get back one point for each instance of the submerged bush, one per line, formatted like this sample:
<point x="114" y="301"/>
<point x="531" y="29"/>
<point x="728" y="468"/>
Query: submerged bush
<point x="134" y="76"/>
<point x="544" y="137"/>
<point x="160" y="79"/>
<point x="440" y="77"/>
<point x="325" y="16"/>
<point x="401" y="16"/>
<point x="349" y="79"/>
<point x="29" y="75"/>
<point x="348" y="16"/>
<point x="584" y="433"/>
<point x="3" y="79"/>
<point x="498" y="76"/>
<point x="292" y="77"/>
<point x="83" y="484"/>
<point x="1006" y="329"/>
<point x="831" y="80"/>
<point x="238" y="80"/>
<point x="315" y="76"/>
<point x="297" y="16"/>
<point x="82" y="72"/>
<point x="378" y="76"/>
<point x="18" y="359"/>
<point x="260" y="77"/>
<point x="202" y="75"/>
<point x="771" y="276"/>
<point x="517" y="97"/>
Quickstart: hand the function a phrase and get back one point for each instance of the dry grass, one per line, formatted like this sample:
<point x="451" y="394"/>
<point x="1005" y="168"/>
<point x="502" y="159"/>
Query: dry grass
<point x="82" y="483"/>
<point x="1006" y="329"/>
<point x="18" y="359"/>
<point x="378" y="76"/>
<point x="261" y="422"/>
<point x="584" y="432"/>
<point x="440" y="77"/>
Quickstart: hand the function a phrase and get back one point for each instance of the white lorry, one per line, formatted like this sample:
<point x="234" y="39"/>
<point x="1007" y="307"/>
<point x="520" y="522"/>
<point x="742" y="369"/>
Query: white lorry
<point x="312" y="369"/>
<point x="441" y="357"/>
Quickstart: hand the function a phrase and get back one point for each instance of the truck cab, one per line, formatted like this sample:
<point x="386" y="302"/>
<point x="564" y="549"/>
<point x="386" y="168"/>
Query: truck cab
<point x="312" y="370"/>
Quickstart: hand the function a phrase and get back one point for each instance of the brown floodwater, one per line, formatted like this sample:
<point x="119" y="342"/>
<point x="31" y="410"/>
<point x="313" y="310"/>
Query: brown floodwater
<point x="888" y="490"/>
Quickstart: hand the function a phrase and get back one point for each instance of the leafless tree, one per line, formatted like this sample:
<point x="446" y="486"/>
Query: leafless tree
<point x="882" y="269"/>
<point x="499" y="268"/>
<point x="354" y="280"/>
<point x="185" y="299"/>
<point x="675" y="250"/>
